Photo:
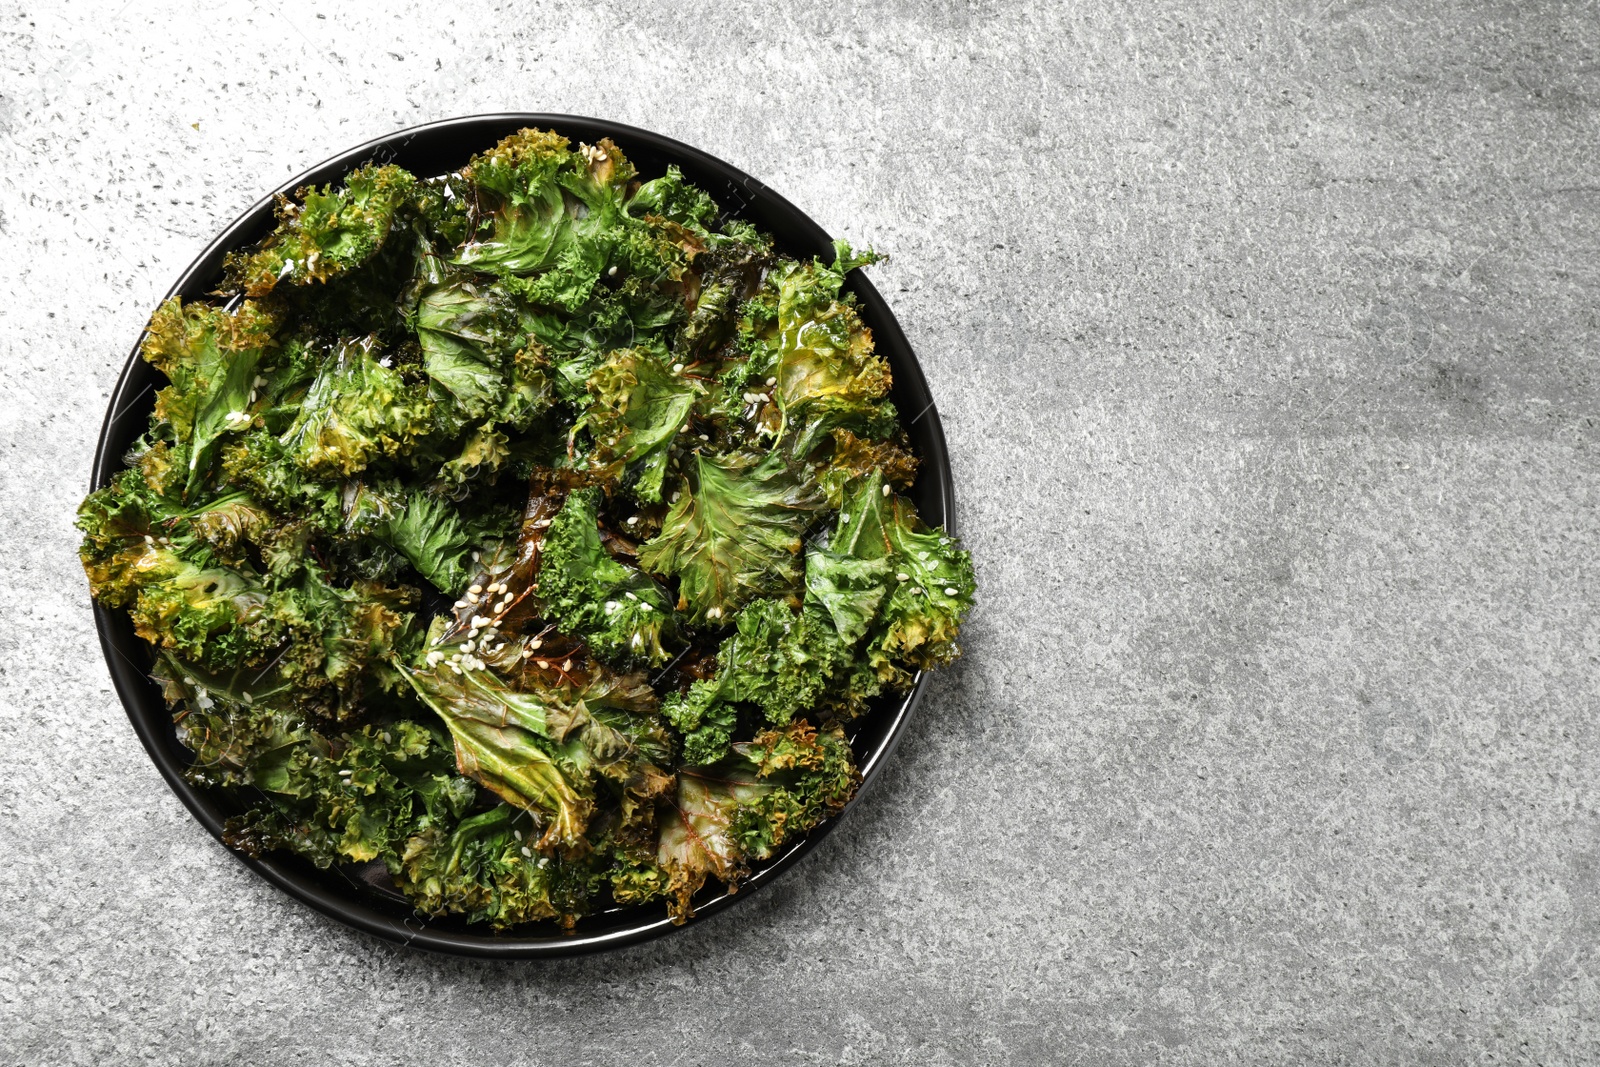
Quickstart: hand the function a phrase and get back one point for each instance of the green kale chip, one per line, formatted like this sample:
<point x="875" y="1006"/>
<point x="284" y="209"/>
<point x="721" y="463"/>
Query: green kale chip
<point x="733" y="533"/>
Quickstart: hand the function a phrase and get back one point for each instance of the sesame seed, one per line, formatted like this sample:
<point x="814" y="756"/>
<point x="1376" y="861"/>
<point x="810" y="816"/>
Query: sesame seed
<point x="887" y="490"/>
<point x="677" y="368"/>
<point x="949" y="590"/>
<point x="528" y="852"/>
<point x="474" y="557"/>
<point x="536" y="642"/>
<point x="705" y="437"/>
<point x="544" y="664"/>
<point x="903" y="577"/>
<point x="612" y="605"/>
<point x="344" y="772"/>
<point x="453" y="667"/>
<point x="460" y="604"/>
<point x="474" y="588"/>
<point x="468" y="646"/>
<point x="517" y="834"/>
<point x="645" y="606"/>
<point x="713" y="613"/>
<point x="771" y="382"/>
<point x="631" y="595"/>
<point x="633" y="520"/>
<point x="844" y="520"/>
<point x="612" y="273"/>
<point x="567" y="666"/>
<point x="472" y="598"/>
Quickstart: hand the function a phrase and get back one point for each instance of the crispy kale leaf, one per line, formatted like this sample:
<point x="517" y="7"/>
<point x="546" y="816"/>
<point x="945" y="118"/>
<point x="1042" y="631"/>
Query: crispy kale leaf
<point x="354" y="797"/>
<point x="210" y="358"/>
<point x="540" y="741"/>
<point x="828" y="373"/>
<point x="621" y="612"/>
<point x="358" y="409"/>
<point x="780" y="784"/>
<point x="470" y="336"/>
<point x="637" y="407"/>
<point x="328" y="234"/>
<point x="487" y="870"/>
<point x="733" y="533"/>
<point x="933" y="591"/>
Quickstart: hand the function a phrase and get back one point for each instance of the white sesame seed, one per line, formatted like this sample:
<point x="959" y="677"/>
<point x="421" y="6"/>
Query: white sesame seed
<point x="713" y="613"/>
<point x="612" y="605"/>
<point x="567" y="666"/>
<point x="474" y="588"/>
<point x="472" y="598"/>
<point x="480" y="620"/>
<point x="887" y="490"/>
<point x="771" y="382"/>
<point x="631" y="595"/>
<point x="675" y="497"/>
<point x="460" y="604"/>
<point x="536" y="642"/>
<point x="705" y="437"/>
<point x="903" y="577"/>
<point x="528" y="852"/>
<point x="612" y="273"/>
<point x="344" y="772"/>
<point x="645" y="606"/>
<point x="468" y="646"/>
<point x="474" y="557"/>
<point x="544" y="664"/>
<point x="677" y="368"/>
<point x="949" y="590"/>
<point x="633" y="520"/>
<point x="517" y="834"/>
<point x="149" y="540"/>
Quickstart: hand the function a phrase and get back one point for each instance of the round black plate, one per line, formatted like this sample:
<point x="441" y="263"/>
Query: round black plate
<point x="439" y="148"/>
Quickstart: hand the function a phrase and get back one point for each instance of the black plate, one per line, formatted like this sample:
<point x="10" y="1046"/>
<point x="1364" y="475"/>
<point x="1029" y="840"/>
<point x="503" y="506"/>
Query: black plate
<point x="439" y="148"/>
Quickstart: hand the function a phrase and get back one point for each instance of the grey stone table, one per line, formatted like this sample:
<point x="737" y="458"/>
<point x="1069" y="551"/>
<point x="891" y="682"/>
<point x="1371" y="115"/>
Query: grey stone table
<point x="1265" y="338"/>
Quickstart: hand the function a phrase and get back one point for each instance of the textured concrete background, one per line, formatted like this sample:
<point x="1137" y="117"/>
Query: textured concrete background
<point x="1265" y="337"/>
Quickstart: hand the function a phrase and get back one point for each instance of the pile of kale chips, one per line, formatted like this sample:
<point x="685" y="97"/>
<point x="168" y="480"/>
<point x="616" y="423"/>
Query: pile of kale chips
<point x="530" y="530"/>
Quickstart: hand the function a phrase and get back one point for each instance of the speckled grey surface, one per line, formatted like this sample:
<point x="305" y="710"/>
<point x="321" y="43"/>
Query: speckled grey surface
<point x="1265" y="337"/>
